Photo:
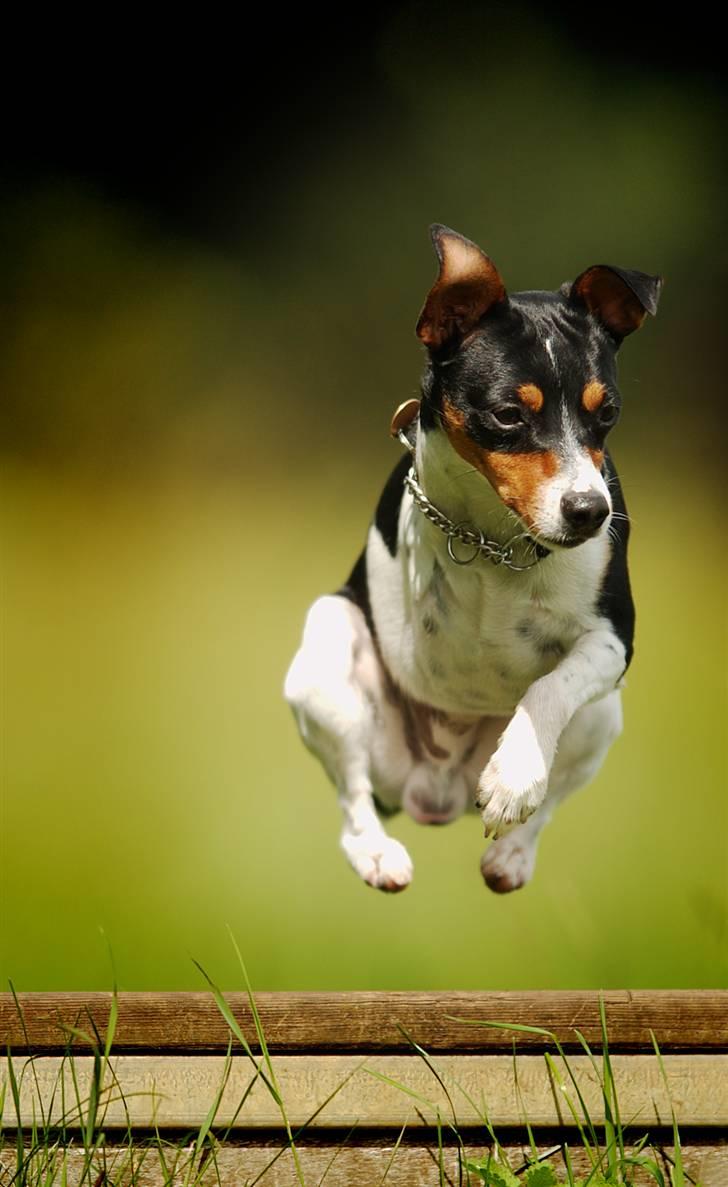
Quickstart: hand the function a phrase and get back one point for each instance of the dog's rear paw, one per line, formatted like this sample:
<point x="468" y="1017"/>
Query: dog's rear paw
<point x="379" y="861"/>
<point x="508" y="864"/>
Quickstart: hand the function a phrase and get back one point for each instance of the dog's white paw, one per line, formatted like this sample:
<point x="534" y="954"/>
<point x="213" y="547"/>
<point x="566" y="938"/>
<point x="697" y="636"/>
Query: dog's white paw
<point x="513" y="784"/>
<point x="378" y="860"/>
<point x="509" y="862"/>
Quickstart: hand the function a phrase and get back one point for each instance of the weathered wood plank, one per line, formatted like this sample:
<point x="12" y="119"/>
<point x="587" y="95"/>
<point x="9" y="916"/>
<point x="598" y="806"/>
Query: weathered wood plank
<point x="177" y="1091"/>
<point x="348" y="1165"/>
<point x="680" y="1020"/>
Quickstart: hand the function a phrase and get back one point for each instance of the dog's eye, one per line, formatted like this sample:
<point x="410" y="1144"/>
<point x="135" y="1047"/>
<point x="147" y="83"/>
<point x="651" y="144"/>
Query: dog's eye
<point x="607" y="415"/>
<point x="508" y="416"/>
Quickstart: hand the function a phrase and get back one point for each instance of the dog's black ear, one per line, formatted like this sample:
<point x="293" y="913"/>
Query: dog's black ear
<point x="618" y="297"/>
<point x="468" y="285"/>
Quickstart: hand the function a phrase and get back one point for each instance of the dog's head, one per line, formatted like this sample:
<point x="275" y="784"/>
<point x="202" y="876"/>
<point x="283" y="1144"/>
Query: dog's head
<point x="524" y="386"/>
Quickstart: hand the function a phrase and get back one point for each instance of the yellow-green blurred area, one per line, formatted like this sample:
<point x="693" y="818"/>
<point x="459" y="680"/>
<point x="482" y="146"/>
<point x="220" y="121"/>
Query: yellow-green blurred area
<point x="194" y="437"/>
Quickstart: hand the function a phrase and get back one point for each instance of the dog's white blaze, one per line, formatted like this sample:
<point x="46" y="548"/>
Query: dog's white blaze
<point x="577" y="474"/>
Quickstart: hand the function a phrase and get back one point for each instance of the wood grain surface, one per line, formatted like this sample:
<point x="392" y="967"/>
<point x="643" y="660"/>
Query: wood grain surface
<point x="342" y="1165"/>
<point x="372" y="1090"/>
<point x="191" y="1022"/>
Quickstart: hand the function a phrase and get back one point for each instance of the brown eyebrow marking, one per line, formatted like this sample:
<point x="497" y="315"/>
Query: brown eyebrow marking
<point x="597" y="456"/>
<point x="593" y="395"/>
<point x="531" y="396"/>
<point x="516" y="477"/>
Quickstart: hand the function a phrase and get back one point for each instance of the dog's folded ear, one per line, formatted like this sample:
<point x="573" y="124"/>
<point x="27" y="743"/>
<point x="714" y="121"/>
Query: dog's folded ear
<point x="469" y="284"/>
<point x="618" y="297"/>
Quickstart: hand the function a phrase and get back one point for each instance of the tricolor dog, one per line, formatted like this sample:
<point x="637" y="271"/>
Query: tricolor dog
<point x="474" y="657"/>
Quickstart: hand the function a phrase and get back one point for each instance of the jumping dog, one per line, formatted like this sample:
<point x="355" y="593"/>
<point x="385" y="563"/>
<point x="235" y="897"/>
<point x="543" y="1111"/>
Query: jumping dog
<point x="474" y="657"/>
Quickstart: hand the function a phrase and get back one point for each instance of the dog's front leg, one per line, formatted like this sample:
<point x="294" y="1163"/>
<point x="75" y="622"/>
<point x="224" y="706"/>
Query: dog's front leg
<point x="514" y="783"/>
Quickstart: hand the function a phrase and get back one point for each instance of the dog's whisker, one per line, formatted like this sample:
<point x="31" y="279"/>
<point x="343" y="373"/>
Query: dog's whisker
<point x="466" y="473"/>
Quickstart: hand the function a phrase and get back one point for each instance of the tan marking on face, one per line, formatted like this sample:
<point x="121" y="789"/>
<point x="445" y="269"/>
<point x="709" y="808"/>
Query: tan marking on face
<point x="597" y="456"/>
<point x="593" y="395"/>
<point x="530" y="395"/>
<point x="515" y="477"/>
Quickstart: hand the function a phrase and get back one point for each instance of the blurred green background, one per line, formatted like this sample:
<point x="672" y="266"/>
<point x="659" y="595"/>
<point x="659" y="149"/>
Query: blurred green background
<point x="208" y="298"/>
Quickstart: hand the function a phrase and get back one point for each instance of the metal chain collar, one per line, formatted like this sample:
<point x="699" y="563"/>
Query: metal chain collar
<point x="497" y="554"/>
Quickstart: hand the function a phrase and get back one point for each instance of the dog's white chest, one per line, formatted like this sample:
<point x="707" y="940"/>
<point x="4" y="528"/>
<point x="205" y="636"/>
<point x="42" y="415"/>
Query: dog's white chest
<point x="468" y="640"/>
<point x="480" y="640"/>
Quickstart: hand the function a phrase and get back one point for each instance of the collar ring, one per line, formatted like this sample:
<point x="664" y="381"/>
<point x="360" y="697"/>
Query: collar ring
<point x="458" y="533"/>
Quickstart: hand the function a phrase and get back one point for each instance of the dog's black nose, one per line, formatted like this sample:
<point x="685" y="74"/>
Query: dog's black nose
<point x="585" y="511"/>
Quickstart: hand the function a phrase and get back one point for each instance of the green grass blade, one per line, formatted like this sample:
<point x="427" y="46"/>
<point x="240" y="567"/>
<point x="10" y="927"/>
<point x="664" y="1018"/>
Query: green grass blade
<point x="269" y="1080"/>
<point x="336" y="1153"/>
<point x="90" y="1123"/>
<point x="677" y="1171"/>
<point x="240" y="1106"/>
<point x="75" y="1032"/>
<point x="558" y="1081"/>
<point x="431" y="1067"/>
<point x="433" y="1108"/>
<point x="393" y="1155"/>
<point x="610" y="1144"/>
<point x="266" y="1055"/>
<point x="159" y="1148"/>
<point x="111" y="1026"/>
<point x="26" y="1036"/>
<point x="206" y="1126"/>
<point x="256" y="1018"/>
<point x="520" y="1028"/>
<point x="302" y="1128"/>
<point x="611" y="1101"/>
<point x="440" y="1155"/>
<point x="579" y="1095"/>
<point x="646" y="1164"/>
<point x="523" y="1028"/>
<point x="569" y="1168"/>
<point x="517" y="1026"/>
<point x="522" y="1106"/>
<point x="422" y="1100"/>
<point x="462" y="1155"/>
<point x="232" y="1023"/>
<point x="15" y="1093"/>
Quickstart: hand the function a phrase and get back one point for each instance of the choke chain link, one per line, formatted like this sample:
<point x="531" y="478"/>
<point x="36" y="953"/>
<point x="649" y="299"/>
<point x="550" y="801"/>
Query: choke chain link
<point x="497" y="554"/>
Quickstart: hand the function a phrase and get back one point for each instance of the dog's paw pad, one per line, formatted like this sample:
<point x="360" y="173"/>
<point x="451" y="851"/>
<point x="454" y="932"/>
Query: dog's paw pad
<point x="381" y="862"/>
<point x="508" y="864"/>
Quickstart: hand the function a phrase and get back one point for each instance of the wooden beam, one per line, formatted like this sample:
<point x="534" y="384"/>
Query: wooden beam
<point x="373" y="1090"/>
<point x="368" y="1022"/>
<point x="348" y="1166"/>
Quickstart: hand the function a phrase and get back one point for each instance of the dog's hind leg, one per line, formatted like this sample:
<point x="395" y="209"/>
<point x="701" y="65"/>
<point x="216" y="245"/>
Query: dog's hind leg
<point x="335" y="687"/>
<point x="509" y="862"/>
